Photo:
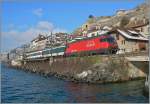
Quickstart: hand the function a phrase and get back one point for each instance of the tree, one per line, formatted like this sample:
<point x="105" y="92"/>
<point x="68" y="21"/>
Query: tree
<point x="91" y="19"/>
<point x="91" y="16"/>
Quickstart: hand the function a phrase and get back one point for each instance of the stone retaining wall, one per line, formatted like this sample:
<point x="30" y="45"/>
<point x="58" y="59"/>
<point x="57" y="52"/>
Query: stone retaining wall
<point x="91" y="69"/>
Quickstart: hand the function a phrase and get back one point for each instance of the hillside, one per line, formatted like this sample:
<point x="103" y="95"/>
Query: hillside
<point x="122" y="18"/>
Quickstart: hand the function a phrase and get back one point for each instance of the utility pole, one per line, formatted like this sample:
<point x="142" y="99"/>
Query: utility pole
<point x="51" y="44"/>
<point x="149" y="51"/>
<point x="66" y="39"/>
<point x="23" y="53"/>
<point x="8" y="56"/>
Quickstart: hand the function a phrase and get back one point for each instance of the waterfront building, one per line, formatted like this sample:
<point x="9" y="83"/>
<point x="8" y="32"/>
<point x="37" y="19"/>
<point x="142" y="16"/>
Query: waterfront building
<point x="129" y="40"/>
<point x="38" y="43"/>
<point x="52" y="40"/>
<point x="3" y="57"/>
<point x="17" y="53"/>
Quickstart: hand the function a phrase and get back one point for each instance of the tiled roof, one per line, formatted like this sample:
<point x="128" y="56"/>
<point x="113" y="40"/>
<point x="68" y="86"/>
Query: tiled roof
<point x="39" y="38"/>
<point x="131" y="34"/>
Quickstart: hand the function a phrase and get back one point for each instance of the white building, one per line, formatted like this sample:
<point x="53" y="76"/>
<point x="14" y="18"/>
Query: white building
<point x="38" y="43"/>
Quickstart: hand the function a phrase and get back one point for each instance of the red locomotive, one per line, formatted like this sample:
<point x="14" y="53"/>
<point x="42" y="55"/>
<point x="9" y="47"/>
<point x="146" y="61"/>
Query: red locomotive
<point x="103" y="44"/>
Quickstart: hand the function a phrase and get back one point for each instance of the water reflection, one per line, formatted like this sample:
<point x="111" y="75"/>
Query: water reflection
<point x="122" y="92"/>
<point x="23" y="87"/>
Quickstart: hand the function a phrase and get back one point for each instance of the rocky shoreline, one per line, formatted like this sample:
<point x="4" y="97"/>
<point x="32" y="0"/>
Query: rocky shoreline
<point x="92" y="69"/>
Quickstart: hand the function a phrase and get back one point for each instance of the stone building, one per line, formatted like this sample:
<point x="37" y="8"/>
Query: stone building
<point x="129" y="40"/>
<point x="38" y="43"/>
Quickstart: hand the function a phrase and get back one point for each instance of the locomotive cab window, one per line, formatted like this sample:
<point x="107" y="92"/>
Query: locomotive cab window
<point x="111" y="40"/>
<point x="103" y="40"/>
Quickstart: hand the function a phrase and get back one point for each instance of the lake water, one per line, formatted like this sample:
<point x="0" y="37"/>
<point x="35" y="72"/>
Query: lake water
<point x="24" y="87"/>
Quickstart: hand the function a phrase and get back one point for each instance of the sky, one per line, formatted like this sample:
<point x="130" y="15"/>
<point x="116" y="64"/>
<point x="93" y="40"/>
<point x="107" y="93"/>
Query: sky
<point x="24" y="20"/>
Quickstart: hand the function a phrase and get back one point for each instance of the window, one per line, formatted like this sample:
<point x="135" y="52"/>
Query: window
<point x="117" y="36"/>
<point x="93" y="34"/>
<point x="86" y="26"/>
<point x="141" y="29"/>
<point x="123" y="41"/>
<point x="46" y="52"/>
<point x="148" y="28"/>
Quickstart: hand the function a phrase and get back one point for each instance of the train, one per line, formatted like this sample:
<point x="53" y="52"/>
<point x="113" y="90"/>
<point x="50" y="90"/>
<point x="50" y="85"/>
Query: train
<point x="103" y="44"/>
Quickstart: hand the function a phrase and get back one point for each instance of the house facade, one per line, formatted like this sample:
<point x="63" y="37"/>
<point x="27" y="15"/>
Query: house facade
<point x="52" y="40"/>
<point x="129" y="40"/>
<point x="38" y="43"/>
